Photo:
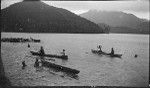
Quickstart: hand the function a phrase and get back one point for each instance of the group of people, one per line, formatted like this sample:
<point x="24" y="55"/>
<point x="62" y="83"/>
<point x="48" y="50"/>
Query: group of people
<point x="100" y="49"/>
<point x="42" y="52"/>
<point x="112" y="51"/>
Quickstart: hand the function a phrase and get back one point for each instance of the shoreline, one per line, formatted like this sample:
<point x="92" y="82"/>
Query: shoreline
<point x="77" y="33"/>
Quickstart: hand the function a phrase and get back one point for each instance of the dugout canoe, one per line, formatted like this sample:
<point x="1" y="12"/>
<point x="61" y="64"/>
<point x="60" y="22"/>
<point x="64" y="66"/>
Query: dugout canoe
<point x="65" y="57"/>
<point x="104" y="53"/>
<point x="59" y="67"/>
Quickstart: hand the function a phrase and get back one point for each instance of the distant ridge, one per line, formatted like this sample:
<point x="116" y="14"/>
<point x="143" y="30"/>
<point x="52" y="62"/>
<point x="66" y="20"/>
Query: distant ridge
<point x="31" y="0"/>
<point x="119" y="22"/>
<point x="38" y="17"/>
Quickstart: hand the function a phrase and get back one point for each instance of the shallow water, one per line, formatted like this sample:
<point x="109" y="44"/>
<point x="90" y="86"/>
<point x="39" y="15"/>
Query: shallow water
<point x="94" y="70"/>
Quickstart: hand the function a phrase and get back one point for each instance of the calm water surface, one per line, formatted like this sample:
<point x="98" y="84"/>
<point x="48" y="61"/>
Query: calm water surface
<point x="94" y="69"/>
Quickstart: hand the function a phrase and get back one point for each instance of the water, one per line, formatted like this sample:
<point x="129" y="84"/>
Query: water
<point x="94" y="70"/>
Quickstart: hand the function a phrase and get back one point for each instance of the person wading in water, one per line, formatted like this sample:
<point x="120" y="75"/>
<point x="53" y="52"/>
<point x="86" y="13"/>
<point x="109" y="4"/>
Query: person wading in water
<point x="36" y="63"/>
<point x="23" y="64"/>
<point x="28" y="46"/>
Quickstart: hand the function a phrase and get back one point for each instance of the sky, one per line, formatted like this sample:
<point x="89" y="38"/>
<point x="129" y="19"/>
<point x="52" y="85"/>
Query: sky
<point x="139" y="8"/>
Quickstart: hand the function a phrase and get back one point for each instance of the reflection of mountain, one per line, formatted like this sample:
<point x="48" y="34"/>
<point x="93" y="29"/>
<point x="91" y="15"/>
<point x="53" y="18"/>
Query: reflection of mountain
<point x="37" y="16"/>
<point x="119" y="21"/>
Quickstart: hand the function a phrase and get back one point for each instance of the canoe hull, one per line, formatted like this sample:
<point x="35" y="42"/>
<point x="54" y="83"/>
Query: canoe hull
<point x="59" y="67"/>
<point x="50" y="55"/>
<point x="103" y="53"/>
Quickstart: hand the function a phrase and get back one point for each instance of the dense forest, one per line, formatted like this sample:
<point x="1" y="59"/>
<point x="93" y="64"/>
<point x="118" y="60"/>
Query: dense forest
<point x="38" y="17"/>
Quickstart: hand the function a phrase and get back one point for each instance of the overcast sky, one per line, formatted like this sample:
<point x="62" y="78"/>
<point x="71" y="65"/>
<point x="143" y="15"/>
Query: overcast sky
<point x="140" y="8"/>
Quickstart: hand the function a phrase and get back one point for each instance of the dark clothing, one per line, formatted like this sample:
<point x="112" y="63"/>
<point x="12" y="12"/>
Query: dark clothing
<point x="36" y="63"/>
<point x="100" y="50"/>
<point x="23" y="65"/>
<point x="63" y="53"/>
<point x="42" y="51"/>
<point x="112" y="51"/>
<point x="28" y="46"/>
<point x="135" y="55"/>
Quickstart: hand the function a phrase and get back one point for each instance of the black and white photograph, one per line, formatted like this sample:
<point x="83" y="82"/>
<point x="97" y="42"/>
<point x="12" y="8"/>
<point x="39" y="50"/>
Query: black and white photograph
<point x="74" y="43"/>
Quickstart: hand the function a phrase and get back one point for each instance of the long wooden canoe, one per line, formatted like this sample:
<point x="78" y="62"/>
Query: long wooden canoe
<point x="50" y="55"/>
<point x="59" y="67"/>
<point x="104" y="53"/>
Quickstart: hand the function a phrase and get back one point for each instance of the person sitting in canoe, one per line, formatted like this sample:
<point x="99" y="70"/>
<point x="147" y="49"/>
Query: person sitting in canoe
<point x="42" y="51"/>
<point x="99" y="47"/>
<point x="112" y="51"/>
<point x="63" y="53"/>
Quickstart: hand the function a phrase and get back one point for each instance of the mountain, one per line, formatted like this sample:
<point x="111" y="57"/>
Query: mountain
<point x="38" y="17"/>
<point x="143" y="28"/>
<point x="106" y="28"/>
<point x="118" y="20"/>
<point x="123" y="30"/>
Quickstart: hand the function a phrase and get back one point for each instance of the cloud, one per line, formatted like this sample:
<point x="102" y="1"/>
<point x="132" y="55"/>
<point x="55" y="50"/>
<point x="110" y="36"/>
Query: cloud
<point x="138" y="6"/>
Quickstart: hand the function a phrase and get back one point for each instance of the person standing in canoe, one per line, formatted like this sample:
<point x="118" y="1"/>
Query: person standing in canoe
<point x="42" y="51"/>
<point x="112" y="51"/>
<point x="100" y="48"/>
